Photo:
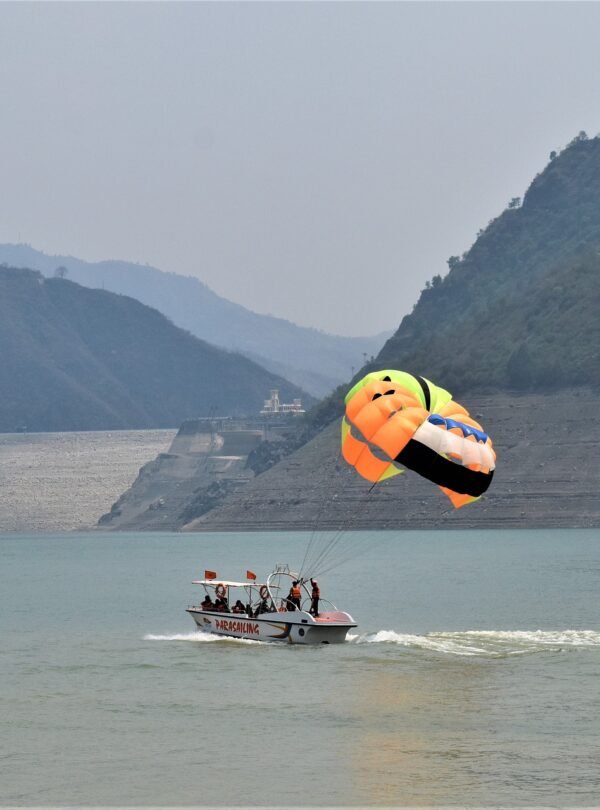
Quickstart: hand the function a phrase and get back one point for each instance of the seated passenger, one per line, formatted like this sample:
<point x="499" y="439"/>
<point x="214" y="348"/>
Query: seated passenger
<point x="207" y="604"/>
<point x="264" y="607"/>
<point x="238" y="607"/>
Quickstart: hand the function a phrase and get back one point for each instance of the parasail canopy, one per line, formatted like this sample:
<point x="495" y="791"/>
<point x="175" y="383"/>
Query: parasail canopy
<point x="396" y="418"/>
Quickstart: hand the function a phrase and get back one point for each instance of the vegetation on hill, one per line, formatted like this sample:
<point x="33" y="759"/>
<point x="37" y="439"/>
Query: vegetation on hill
<point x="519" y="310"/>
<point x="516" y="311"/>
<point x="73" y="358"/>
<point x="311" y="359"/>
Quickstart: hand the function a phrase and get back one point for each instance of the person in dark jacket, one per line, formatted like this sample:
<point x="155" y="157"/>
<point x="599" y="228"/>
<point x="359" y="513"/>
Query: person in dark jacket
<point x="314" y="598"/>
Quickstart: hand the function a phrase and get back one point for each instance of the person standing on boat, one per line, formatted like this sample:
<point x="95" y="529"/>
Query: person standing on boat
<point x="315" y="596"/>
<point x="295" y="596"/>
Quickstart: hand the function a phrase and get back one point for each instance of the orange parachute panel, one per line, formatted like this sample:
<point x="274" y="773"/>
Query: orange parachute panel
<point x="396" y="432"/>
<point x="458" y="499"/>
<point x="357" y="454"/>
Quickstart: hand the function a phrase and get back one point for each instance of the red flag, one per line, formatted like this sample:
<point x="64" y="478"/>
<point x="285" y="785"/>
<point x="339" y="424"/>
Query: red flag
<point x="210" y="575"/>
<point x="250" y="575"/>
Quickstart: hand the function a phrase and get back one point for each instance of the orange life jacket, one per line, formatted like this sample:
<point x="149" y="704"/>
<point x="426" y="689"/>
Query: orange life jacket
<point x="316" y="593"/>
<point x="296" y="592"/>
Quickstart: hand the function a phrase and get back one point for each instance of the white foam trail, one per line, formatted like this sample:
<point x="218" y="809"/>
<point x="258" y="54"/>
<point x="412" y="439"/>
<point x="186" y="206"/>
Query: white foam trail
<point x="202" y="637"/>
<point x="486" y="642"/>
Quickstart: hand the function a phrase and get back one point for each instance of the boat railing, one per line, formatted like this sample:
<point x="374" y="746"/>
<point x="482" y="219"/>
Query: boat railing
<point x="321" y="602"/>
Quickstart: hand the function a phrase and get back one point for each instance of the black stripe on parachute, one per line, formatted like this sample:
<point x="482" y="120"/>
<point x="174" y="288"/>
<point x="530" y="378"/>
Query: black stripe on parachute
<point x="426" y="391"/>
<point x="443" y="472"/>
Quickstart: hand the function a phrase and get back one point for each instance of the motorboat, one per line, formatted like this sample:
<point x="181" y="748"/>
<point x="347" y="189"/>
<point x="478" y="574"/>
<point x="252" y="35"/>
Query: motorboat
<point x="265" y="612"/>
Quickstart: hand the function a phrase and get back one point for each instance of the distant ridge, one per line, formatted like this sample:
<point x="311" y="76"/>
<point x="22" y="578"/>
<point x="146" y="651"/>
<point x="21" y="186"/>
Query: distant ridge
<point x="308" y="357"/>
<point x="72" y="358"/>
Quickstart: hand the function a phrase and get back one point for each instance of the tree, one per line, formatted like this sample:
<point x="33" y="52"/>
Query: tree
<point x="581" y="136"/>
<point x="61" y="272"/>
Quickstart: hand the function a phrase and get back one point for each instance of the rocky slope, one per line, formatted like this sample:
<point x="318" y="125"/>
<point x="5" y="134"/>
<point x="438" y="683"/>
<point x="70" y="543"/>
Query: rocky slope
<point x="59" y="482"/>
<point x="547" y="476"/>
<point x="204" y="463"/>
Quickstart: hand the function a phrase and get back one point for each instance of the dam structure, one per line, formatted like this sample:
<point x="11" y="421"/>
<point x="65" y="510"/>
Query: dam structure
<point x="206" y="461"/>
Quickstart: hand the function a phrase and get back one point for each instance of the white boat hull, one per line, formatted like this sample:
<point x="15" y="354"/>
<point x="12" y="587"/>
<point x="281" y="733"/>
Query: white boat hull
<point x="292" y="627"/>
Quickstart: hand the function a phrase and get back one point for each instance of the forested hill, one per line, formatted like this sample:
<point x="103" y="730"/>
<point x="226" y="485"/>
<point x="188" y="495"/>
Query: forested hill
<point x="73" y="358"/>
<point x="520" y="309"/>
<point x="309" y="358"/>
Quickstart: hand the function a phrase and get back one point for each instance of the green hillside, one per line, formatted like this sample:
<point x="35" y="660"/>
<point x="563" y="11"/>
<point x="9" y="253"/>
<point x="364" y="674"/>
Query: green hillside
<point x="519" y="310"/>
<point x="73" y="358"/>
<point x="311" y="359"/>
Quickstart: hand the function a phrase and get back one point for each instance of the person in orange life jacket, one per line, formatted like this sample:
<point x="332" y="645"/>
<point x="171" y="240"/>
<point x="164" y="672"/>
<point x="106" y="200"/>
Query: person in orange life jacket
<point x="315" y="596"/>
<point x="294" y="596"/>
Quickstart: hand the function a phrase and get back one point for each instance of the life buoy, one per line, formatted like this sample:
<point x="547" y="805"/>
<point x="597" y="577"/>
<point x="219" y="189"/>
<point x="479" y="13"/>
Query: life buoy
<point x="220" y="590"/>
<point x="264" y="591"/>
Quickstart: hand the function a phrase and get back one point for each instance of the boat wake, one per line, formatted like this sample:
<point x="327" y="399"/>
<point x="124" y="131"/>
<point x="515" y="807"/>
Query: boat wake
<point x="202" y="637"/>
<point x="495" y="643"/>
<point x="483" y="643"/>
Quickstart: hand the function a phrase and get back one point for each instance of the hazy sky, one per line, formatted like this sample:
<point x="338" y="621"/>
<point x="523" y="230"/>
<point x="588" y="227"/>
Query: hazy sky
<point x="316" y="161"/>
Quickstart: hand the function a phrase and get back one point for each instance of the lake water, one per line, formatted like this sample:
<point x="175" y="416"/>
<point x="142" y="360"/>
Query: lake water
<point x="473" y="677"/>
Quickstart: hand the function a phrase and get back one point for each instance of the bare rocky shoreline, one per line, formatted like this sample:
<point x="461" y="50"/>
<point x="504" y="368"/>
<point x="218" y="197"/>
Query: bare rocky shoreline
<point x="63" y="482"/>
<point x="548" y="476"/>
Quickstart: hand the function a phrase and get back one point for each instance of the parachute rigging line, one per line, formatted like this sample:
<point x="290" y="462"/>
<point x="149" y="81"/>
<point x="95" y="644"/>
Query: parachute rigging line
<point x="324" y="555"/>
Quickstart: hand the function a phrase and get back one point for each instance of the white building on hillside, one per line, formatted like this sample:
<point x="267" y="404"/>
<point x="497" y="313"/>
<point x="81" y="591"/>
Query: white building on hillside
<point x="273" y="405"/>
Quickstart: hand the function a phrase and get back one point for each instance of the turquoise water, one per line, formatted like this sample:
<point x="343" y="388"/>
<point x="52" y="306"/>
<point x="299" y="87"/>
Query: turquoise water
<point x="473" y="677"/>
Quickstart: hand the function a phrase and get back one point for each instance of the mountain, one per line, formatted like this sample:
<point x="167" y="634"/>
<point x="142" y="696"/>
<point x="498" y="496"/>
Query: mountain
<point x="519" y="310"/>
<point x="312" y="359"/>
<point x="73" y="358"/>
<point x="513" y="331"/>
